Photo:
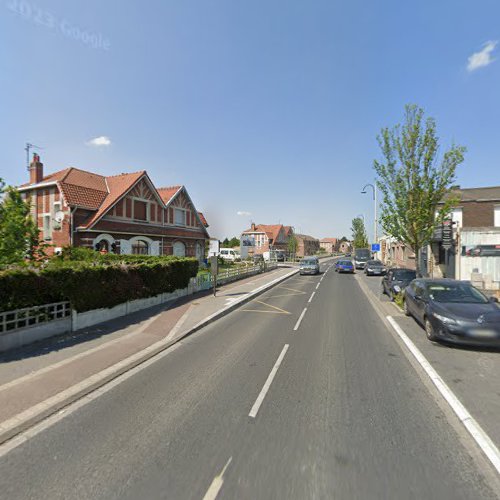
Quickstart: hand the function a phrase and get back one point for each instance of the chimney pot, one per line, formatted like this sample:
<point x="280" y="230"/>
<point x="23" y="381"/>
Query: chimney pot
<point x="36" y="169"/>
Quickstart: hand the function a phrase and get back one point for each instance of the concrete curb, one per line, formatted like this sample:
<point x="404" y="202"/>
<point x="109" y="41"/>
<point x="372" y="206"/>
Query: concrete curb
<point x="28" y="418"/>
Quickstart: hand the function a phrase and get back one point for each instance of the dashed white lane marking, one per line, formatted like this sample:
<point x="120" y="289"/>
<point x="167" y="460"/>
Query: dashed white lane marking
<point x="311" y="297"/>
<point x="480" y="437"/>
<point x="269" y="381"/>
<point x="317" y="286"/>
<point x="296" y="327"/>
<point x="217" y="483"/>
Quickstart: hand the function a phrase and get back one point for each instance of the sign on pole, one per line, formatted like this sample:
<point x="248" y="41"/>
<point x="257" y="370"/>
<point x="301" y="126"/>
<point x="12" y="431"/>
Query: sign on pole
<point x="213" y="247"/>
<point x="375" y="247"/>
<point x="214" y="269"/>
<point x="447" y="233"/>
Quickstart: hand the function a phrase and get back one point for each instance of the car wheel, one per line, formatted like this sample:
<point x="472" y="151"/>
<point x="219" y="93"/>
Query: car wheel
<point x="405" y="308"/>
<point x="429" y="330"/>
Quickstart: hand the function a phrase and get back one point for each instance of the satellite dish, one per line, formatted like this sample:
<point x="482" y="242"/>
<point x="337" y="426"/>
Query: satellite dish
<point x="59" y="216"/>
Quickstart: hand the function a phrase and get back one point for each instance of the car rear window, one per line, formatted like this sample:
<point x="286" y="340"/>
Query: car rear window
<point x="405" y="274"/>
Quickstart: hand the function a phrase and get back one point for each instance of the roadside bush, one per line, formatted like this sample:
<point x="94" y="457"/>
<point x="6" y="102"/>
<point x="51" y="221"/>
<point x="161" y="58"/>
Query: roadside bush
<point x="399" y="299"/>
<point x="91" y="285"/>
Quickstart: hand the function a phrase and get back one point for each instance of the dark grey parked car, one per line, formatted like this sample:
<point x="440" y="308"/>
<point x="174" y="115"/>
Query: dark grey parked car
<point x="396" y="280"/>
<point x="453" y="311"/>
<point x="374" y="267"/>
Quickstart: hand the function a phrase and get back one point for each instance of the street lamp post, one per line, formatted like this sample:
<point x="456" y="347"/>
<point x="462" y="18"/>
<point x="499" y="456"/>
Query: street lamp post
<point x="375" y="221"/>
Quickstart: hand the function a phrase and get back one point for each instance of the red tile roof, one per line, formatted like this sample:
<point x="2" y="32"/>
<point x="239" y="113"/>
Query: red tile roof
<point x="97" y="192"/>
<point x="118" y="186"/>
<point x="271" y="230"/>
<point x="202" y="218"/>
<point x="167" y="193"/>
<point x="329" y="240"/>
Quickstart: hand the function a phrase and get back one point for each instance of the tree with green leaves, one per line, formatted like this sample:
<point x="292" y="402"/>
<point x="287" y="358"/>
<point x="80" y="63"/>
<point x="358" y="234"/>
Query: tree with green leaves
<point x="18" y="232"/>
<point x="292" y="245"/>
<point x="414" y="180"/>
<point x="359" y="237"/>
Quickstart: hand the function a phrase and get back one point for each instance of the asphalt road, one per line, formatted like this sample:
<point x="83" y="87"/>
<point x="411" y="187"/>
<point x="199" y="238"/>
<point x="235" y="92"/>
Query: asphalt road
<point x="472" y="373"/>
<point x="344" y="416"/>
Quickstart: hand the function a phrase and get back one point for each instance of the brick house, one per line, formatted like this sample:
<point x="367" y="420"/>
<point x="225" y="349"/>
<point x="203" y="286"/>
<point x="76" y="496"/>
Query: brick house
<point x="267" y="237"/>
<point x="328" y="244"/>
<point x="306" y="245"/>
<point x="475" y="249"/>
<point x="123" y="214"/>
<point x="395" y="253"/>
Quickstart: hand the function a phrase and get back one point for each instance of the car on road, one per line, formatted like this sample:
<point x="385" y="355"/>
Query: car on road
<point x="344" y="266"/>
<point x="374" y="268"/>
<point x="454" y="312"/>
<point x="396" y="280"/>
<point x="309" y="265"/>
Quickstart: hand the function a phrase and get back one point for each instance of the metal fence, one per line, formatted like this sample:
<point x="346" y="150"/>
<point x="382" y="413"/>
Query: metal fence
<point x="205" y="280"/>
<point x="30" y="316"/>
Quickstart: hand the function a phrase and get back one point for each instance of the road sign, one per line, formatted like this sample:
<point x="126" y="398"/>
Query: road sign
<point x="375" y="247"/>
<point x="213" y="247"/>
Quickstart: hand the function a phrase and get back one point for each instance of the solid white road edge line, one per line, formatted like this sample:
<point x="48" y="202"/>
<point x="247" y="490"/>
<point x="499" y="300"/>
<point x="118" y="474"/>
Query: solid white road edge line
<point x="296" y="327"/>
<point x="478" y="434"/>
<point x="269" y="381"/>
<point x="217" y="483"/>
<point x="311" y="297"/>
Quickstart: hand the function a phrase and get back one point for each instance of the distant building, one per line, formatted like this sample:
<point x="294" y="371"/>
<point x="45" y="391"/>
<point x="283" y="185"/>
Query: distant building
<point x="264" y="237"/>
<point x="123" y="214"/>
<point x="306" y="245"/>
<point x="328" y="244"/>
<point x="344" y="247"/>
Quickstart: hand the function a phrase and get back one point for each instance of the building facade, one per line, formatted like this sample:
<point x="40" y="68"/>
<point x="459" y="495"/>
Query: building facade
<point x="123" y="214"/>
<point x="262" y="238"/>
<point x="306" y="245"/>
<point x="473" y="251"/>
<point x="328" y="244"/>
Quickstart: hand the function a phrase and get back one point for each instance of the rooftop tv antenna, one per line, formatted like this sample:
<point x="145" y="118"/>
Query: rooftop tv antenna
<point x="28" y="147"/>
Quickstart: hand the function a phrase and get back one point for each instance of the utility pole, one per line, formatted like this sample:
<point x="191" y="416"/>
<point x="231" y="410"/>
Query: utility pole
<point x="375" y="220"/>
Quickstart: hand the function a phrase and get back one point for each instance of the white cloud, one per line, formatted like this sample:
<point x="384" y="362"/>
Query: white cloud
<point x="483" y="57"/>
<point x="100" y="141"/>
<point x="242" y="212"/>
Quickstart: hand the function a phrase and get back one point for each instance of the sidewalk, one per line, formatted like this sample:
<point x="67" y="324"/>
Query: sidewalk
<point x="38" y="380"/>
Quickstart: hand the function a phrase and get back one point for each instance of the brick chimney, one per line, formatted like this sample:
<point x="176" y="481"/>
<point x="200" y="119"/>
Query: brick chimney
<point x="36" y="170"/>
<point x="253" y="226"/>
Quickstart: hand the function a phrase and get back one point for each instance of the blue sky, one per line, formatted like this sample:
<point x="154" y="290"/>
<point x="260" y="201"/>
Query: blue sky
<point x="265" y="107"/>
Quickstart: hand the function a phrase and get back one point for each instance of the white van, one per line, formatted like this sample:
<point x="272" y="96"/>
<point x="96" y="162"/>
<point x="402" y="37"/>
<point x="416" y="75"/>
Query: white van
<point x="229" y="254"/>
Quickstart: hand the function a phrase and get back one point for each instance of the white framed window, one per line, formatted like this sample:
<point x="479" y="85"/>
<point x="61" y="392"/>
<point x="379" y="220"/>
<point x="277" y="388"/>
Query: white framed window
<point x="179" y="217"/>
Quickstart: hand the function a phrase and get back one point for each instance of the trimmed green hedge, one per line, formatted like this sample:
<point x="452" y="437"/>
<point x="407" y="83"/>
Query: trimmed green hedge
<point x="91" y="285"/>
